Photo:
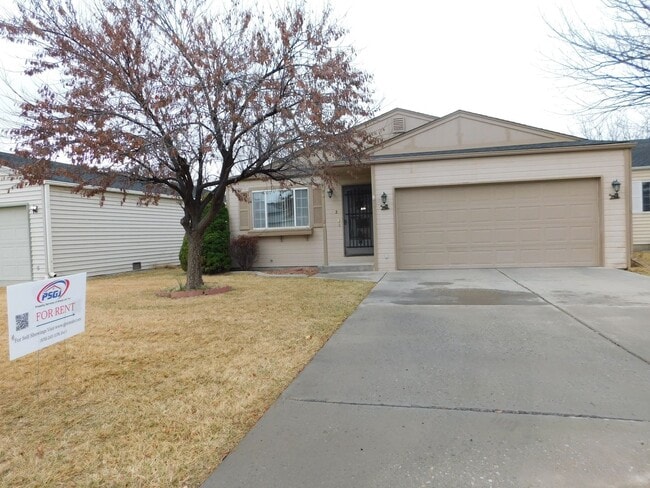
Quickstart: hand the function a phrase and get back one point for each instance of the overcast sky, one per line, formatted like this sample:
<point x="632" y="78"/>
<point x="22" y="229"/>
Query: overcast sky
<point x="490" y="57"/>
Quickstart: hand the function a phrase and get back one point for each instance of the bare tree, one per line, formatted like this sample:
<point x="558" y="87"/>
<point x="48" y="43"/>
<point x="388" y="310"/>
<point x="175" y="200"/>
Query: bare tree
<point x="613" y="127"/>
<point x="613" y="59"/>
<point x="183" y="95"/>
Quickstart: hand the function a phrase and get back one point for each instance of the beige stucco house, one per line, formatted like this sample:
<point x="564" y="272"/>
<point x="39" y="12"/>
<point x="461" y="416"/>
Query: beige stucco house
<point x="641" y="195"/>
<point x="460" y="191"/>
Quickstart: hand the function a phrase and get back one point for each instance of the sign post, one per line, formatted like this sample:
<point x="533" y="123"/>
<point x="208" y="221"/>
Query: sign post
<point x="42" y="313"/>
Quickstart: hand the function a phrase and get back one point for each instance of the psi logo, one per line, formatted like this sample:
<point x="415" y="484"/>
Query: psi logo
<point x="53" y="291"/>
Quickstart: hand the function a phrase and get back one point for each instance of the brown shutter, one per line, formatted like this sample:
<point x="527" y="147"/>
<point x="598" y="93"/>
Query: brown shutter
<point x="317" y="217"/>
<point x="245" y="212"/>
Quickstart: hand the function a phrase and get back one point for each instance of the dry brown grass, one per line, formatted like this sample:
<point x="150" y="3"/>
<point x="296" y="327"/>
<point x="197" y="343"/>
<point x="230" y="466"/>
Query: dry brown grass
<point x="157" y="391"/>
<point x="643" y="258"/>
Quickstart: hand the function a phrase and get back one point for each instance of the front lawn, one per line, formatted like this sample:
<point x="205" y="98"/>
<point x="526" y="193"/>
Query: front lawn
<point x="157" y="391"/>
<point x="641" y="263"/>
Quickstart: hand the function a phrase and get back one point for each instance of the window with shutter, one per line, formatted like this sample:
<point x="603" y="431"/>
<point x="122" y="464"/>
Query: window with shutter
<point x="281" y="209"/>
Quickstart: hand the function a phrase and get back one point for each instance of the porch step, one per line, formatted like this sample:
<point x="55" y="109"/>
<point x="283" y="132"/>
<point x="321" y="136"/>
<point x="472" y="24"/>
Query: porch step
<point x="344" y="268"/>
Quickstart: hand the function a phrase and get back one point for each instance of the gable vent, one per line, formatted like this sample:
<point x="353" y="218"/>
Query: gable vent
<point x="399" y="125"/>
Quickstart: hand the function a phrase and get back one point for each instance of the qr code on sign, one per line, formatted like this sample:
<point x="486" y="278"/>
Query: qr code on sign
<point x="22" y="321"/>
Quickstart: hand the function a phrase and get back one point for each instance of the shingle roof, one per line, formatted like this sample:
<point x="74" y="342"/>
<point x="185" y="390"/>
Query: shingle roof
<point x="641" y="153"/>
<point x="483" y="150"/>
<point x="69" y="173"/>
<point x="55" y="173"/>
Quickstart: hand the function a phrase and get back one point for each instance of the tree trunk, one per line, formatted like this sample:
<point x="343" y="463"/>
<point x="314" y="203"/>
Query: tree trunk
<point x="194" y="260"/>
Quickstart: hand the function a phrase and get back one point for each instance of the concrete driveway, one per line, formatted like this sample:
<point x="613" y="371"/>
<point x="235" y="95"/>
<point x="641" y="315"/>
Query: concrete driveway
<point x="486" y="378"/>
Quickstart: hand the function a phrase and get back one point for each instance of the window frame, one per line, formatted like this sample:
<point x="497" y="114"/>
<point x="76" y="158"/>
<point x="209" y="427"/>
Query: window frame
<point x="645" y="196"/>
<point x="266" y="227"/>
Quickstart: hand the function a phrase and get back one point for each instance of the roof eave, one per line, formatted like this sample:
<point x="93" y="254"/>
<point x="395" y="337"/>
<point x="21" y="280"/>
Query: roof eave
<point x="500" y="153"/>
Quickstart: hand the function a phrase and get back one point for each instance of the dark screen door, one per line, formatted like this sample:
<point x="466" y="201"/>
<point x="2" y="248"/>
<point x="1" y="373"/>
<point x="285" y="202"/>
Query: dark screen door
<point x="357" y="211"/>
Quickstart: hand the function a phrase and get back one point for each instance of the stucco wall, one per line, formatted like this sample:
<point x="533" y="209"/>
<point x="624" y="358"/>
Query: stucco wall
<point x="335" y="221"/>
<point x="465" y="130"/>
<point x="274" y="250"/>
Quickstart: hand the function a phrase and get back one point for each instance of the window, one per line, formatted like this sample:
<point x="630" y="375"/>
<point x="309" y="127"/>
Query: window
<point x="275" y="209"/>
<point x="646" y="196"/>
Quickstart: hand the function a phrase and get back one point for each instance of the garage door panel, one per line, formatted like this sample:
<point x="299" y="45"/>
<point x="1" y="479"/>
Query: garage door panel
<point x="529" y="213"/>
<point x="554" y="223"/>
<point x="15" y="254"/>
<point x="556" y="212"/>
<point x="483" y="236"/>
<point x="556" y="234"/>
<point x="508" y="237"/>
<point x="506" y="258"/>
<point x="434" y="216"/>
<point x="457" y="237"/>
<point x="435" y="237"/>
<point x="580" y="211"/>
<point x="530" y="235"/>
<point x="506" y="214"/>
<point x="584" y="234"/>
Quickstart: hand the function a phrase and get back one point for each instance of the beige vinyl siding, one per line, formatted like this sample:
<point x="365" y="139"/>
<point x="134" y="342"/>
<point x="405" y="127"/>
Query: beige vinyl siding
<point x="110" y="238"/>
<point x="27" y="196"/>
<point x="604" y="165"/>
<point x="640" y="219"/>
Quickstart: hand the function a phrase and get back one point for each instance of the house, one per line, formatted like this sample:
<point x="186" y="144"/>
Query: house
<point x="460" y="191"/>
<point x="48" y="230"/>
<point x="641" y="195"/>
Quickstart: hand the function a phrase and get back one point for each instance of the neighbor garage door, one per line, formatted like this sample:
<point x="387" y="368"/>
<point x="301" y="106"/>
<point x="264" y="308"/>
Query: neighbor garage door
<point x="15" y="255"/>
<point x="547" y="223"/>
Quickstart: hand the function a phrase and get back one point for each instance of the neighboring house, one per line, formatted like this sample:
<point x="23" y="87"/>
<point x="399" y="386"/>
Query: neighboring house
<point x="47" y="229"/>
<point x="641" y="195"/>
<point x="461" y="191"/>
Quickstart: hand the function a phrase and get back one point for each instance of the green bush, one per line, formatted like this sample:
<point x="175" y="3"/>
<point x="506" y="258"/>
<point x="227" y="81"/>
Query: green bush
<point x="216" y="244"/>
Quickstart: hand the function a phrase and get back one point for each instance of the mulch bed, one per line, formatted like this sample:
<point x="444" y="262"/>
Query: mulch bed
<point x="309" y="271"/>
<point x="193" y="293"/>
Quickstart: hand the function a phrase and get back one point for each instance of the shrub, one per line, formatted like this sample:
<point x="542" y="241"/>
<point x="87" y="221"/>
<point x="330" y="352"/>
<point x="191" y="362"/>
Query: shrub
<point x="244" y="250"/>
<point x="215" y="251"/>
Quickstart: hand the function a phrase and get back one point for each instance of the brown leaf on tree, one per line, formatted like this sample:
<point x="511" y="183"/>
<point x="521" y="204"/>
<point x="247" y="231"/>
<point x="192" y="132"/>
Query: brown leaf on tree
<point x="189" y="98"/>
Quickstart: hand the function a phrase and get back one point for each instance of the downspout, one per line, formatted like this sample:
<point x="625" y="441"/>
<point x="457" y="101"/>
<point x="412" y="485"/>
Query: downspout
<point x="47" y="228"/>
<point x="628" y="208"/>
<point x="325" y="249"/>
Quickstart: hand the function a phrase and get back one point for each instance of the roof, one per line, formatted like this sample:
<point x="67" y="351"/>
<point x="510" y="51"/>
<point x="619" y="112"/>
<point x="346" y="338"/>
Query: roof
<point x="55" y="172"/>
<point x="584" y="143"/>
<point x="641" y="153"/>
<point x="397" y="110"/>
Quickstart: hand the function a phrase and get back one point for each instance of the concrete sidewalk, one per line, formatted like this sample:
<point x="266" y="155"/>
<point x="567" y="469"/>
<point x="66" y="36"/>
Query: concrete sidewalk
<point x="487" y="378"/>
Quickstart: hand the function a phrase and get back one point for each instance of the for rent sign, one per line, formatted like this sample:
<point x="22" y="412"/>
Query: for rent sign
<point x="42" y="313"/>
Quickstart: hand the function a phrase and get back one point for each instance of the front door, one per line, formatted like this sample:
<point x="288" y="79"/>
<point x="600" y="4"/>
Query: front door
<point x="357" y="212"/>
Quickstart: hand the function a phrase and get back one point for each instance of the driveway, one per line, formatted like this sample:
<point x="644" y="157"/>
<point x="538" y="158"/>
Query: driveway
<point x="460" y="378"/>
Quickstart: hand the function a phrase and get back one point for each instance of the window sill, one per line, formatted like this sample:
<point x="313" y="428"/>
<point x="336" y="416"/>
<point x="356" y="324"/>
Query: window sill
<point x="281" y="232"/>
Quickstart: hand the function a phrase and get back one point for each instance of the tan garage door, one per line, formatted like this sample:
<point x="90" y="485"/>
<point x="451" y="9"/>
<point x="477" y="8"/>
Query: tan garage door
<point x="549" y="223"/>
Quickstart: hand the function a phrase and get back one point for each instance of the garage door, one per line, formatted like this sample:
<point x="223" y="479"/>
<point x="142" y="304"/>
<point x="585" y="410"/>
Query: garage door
<point x="15" y="255"/>
<point x="549" y="223"/>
